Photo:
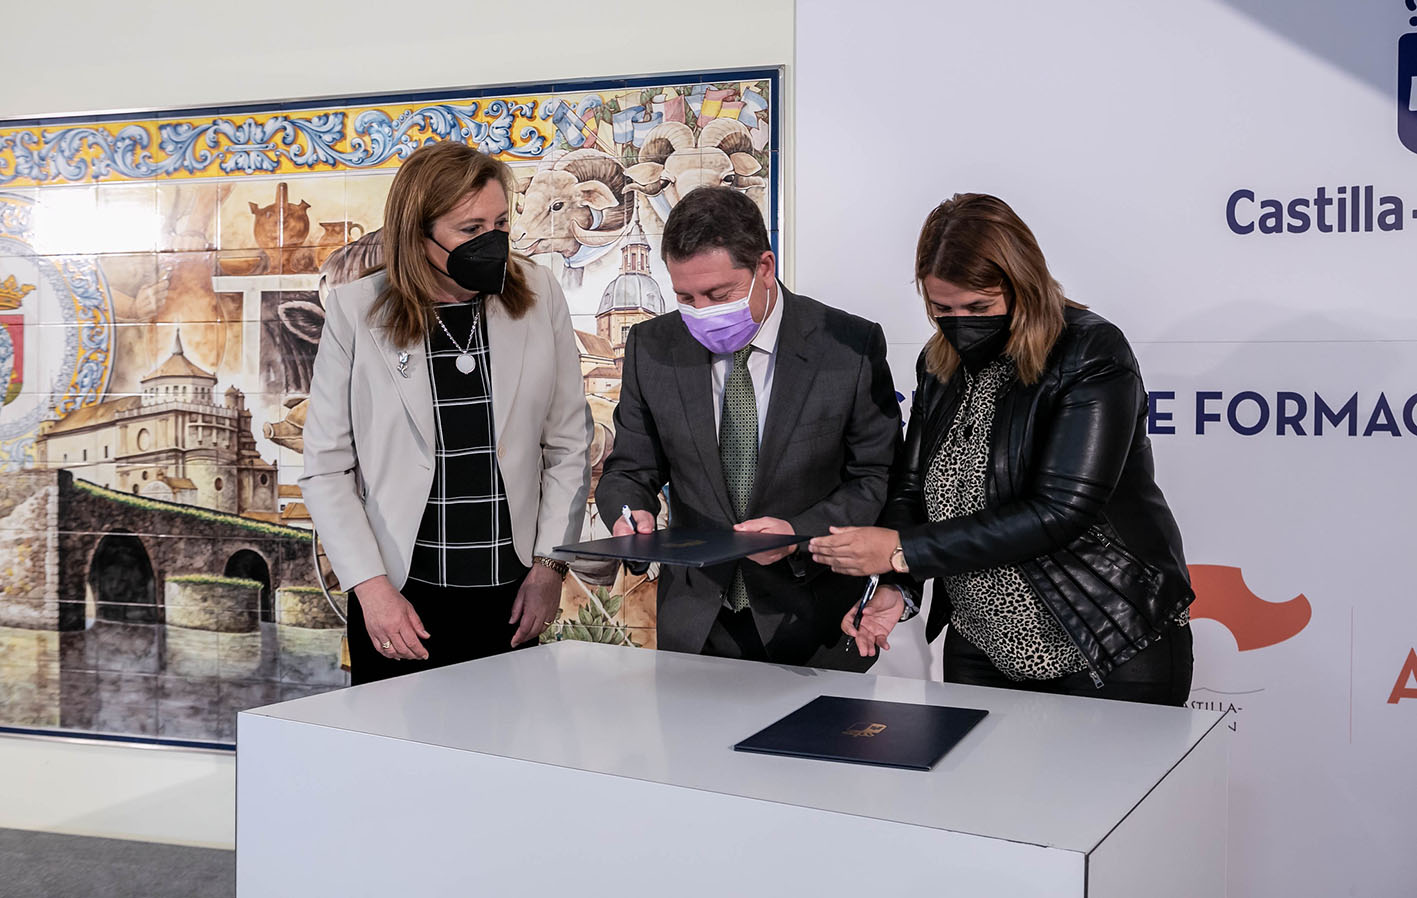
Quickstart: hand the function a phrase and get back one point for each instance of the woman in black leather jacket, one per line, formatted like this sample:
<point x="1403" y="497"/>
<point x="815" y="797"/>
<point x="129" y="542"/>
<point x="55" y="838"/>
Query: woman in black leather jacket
<point x="1025" y="488"/>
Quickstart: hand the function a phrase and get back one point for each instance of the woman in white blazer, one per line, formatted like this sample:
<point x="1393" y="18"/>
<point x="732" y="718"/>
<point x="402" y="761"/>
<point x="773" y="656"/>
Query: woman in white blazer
<point x="447" y="438"/>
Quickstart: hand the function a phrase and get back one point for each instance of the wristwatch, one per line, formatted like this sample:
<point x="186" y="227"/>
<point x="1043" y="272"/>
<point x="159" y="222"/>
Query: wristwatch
<point x="560" y="567"/>
<point x="907" y="589"/>
<point x="898" y="560"/>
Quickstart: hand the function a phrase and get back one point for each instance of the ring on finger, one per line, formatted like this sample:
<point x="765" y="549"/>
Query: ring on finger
<point x="386" y="645"/>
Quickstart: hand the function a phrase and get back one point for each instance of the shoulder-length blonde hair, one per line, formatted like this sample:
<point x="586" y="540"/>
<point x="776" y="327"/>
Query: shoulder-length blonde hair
<point x="975" y="241"/>
<point x="431" y="181"/>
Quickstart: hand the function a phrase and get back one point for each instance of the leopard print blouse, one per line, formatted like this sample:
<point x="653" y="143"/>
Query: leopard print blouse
<point x="994" y="608"/>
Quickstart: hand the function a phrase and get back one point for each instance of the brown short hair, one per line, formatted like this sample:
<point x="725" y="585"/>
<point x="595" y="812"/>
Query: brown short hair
<point x="432" y="180"/>
<point x="975" y="241"/>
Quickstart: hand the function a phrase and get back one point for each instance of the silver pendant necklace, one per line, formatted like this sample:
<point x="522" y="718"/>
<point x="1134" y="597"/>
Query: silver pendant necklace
<point x="465" y="361"/>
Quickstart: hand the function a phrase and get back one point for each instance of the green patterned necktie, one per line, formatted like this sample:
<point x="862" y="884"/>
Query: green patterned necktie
<point x="738" y="451"/>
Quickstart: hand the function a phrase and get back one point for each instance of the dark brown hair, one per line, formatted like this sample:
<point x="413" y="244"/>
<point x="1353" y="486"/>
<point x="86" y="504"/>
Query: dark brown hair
<point x="975" y="241"/>
<point x="708" y="218"/>
<point x="431" y="181"/>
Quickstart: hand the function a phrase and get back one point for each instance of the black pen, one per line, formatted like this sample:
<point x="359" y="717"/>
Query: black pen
<point x="871" y="585"/>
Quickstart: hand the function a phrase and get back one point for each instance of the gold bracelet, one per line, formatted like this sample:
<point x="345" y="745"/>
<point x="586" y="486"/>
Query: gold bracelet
<point x="560" y="567"/>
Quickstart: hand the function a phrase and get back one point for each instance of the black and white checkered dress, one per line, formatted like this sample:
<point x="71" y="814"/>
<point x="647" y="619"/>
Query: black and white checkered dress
<point x="465" y="538"/>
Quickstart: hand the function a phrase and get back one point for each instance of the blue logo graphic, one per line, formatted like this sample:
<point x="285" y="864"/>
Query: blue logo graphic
<point x="1406" y="81"/>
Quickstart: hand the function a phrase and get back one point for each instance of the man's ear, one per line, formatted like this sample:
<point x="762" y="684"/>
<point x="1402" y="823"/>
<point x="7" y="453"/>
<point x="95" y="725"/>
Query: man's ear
<point x="768" y="271"/>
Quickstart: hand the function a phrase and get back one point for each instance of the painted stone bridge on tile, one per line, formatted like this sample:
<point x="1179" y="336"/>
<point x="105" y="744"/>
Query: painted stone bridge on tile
<point x="113" y="552"/>
<point x="127" y="614"/>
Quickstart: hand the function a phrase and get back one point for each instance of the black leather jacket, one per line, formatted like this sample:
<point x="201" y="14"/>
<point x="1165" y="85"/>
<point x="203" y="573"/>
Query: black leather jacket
<point x="1070" y="497"/>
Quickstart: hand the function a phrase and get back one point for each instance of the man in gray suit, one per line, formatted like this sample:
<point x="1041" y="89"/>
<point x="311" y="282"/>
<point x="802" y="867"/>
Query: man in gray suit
<point x="761" y="410"/>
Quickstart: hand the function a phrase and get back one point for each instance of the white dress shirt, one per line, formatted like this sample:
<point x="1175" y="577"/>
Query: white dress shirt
<point x="760" y="366"/>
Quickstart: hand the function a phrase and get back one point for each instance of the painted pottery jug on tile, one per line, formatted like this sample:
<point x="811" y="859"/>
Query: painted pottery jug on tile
<point x="281" y="229"/>
<point x="282" y="223"/>
<point x="334" y="237"/>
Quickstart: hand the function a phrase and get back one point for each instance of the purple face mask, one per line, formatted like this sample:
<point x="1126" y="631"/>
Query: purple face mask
<point x="723" y="327"/>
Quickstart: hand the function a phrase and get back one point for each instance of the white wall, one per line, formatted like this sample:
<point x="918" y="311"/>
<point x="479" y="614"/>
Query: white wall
<point x="83" y="788"/>
<point x="106" y="57"/>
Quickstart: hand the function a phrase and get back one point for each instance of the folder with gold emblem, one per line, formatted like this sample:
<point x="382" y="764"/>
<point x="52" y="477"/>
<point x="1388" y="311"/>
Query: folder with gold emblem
<point x="866" y="731"/>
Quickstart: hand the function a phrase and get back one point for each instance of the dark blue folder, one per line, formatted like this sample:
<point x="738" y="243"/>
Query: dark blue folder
<point x="683" y="546"/>
<point x="865" y="731"/>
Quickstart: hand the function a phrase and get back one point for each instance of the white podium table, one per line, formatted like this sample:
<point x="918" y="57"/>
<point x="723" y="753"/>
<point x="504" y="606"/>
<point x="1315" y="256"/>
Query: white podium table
<point x="580" y="769"/>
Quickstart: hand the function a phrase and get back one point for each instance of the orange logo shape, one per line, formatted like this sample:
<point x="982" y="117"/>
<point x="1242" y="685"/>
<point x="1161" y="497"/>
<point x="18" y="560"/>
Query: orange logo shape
<point x="1400" y="689"/>
<point x="1221" y="595"/>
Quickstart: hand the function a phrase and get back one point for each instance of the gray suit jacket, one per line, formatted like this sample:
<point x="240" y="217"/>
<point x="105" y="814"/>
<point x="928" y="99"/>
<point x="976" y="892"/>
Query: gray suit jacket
<point x="833" y="426"/>
<point x="369" y="431"/>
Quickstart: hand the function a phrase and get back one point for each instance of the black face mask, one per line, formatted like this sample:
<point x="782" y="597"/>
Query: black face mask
<point x="979" y="339"/>
<point x="480" y="264"/>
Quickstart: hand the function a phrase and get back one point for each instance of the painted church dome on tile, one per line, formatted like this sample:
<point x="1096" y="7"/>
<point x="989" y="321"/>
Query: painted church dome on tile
<point x="632" y="291"/>
<point x="633" y="288"/>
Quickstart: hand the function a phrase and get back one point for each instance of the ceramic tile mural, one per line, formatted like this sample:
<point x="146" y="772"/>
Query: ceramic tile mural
<point x="162" y="290"/>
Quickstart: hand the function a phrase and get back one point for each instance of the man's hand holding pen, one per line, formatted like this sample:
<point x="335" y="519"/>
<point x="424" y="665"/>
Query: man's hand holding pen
<point x="639" y="521"/>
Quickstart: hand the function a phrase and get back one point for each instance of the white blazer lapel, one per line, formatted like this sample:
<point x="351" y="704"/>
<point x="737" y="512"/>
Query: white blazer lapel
<point x="506" y="338"/>
<point x="409" y="371"/>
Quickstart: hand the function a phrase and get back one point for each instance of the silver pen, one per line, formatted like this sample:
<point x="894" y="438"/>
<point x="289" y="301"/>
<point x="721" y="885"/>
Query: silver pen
<point x="628" y="518"/>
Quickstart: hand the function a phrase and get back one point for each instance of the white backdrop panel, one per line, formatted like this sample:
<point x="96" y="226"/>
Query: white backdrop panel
<point x="1121" y="132"/>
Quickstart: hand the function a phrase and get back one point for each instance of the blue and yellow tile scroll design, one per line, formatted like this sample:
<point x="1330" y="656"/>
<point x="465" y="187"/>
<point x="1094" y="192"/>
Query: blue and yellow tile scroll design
<point x="274" y="143"/>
